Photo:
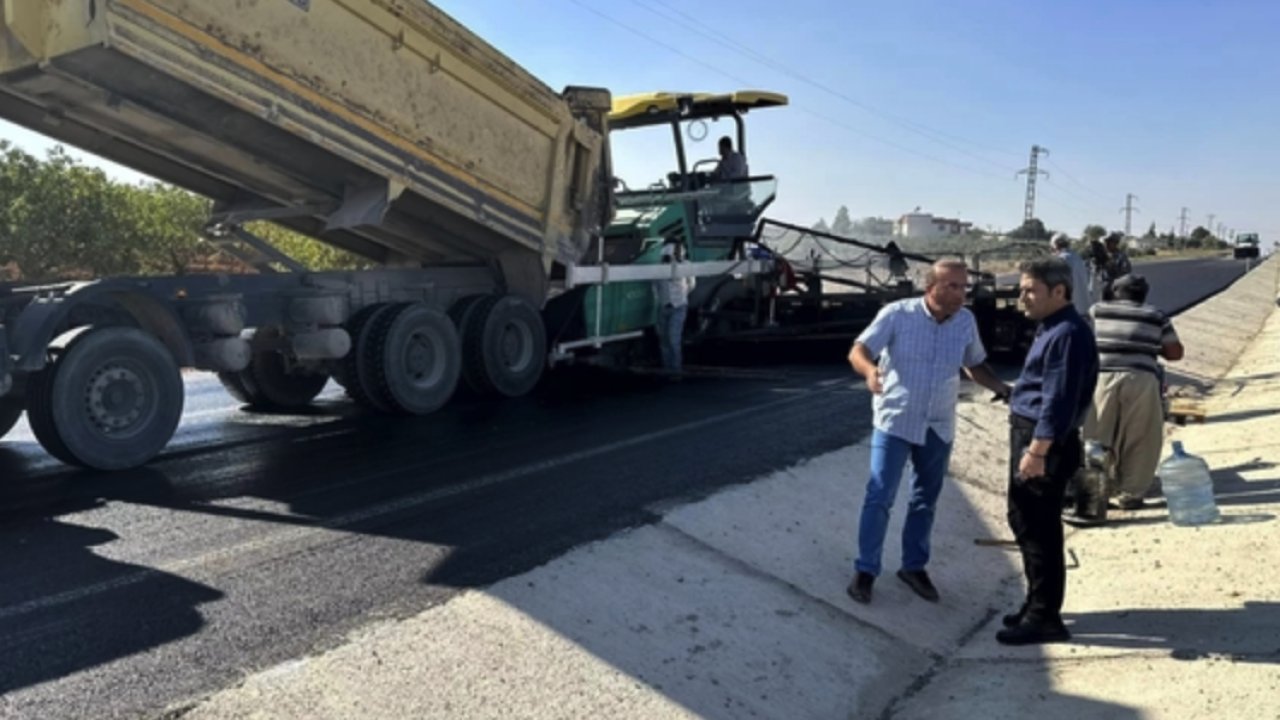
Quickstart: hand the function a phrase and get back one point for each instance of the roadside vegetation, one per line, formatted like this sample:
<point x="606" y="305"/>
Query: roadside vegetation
<point x="62" y="220"/>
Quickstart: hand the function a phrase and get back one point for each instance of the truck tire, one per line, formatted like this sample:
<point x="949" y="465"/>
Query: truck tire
<point x="416" y="360"/>
<point x="357" y="367"/>
<point x="504" y="346"/>
<point x="458" y="313"/>
<point x="266" y="385"/>
<point x="343" y="369"/>
<point x="461" y="308"/>
<point x="272" y="386"/>
<point x="110" y="399"/>
<point x="10" y="412"/>
<point x="234" y="386"/>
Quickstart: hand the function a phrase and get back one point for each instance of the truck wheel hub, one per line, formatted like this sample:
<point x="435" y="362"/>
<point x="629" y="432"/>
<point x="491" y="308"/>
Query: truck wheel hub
<point x="421" y="360"/>
<point x="516" y="347"/>
<point x="115" y="398"/>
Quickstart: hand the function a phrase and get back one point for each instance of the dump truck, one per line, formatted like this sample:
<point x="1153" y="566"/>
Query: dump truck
<point x="484" y="200"/>
<point x="1246" y="247"/>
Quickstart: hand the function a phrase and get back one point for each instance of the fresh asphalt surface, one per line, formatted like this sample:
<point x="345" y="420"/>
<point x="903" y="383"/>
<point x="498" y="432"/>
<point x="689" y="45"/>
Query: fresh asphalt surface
<point x="255" y="539"/>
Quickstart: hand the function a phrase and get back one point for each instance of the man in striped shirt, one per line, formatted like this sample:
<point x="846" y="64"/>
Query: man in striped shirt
<point x="1127" y="416"/>
<point x="911" y="357"/>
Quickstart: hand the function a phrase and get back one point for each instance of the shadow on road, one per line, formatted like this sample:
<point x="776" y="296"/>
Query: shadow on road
<point x="1245" y="634"/>
<point x="64" y="607"/>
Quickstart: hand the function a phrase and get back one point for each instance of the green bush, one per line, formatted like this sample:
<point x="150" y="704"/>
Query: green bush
<point x="60" y="219"/>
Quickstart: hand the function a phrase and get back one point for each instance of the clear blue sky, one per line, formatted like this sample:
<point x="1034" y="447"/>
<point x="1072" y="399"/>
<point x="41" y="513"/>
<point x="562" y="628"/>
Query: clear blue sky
<point x="936" y="104"/>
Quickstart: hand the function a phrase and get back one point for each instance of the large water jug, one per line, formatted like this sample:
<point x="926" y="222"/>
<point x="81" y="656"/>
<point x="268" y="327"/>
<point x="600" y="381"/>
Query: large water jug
<point x="1188" y="488"/>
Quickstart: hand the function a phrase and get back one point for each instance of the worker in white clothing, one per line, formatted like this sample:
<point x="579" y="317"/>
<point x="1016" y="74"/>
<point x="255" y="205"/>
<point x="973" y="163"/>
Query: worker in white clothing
<point x="673" y="307"/>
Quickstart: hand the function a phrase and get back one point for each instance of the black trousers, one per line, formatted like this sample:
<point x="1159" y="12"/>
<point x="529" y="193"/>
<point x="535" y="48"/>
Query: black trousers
<point x="1035" y="516"/>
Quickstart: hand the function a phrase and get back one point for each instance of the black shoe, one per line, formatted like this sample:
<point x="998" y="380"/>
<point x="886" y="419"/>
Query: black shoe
<point x="1128" y="504"/>
<point x="860" y="588"/>
<point x="1075" y="519"/>
<point x="1014" y="619"/>
<point x="1033" y="633"/>
<point x="918" y="580"/>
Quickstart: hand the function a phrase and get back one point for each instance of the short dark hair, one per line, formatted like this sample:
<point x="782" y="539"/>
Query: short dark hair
<point x="726" y="141"/>
<point x="1051" y="271"/>
<point x="1133" y="288"/>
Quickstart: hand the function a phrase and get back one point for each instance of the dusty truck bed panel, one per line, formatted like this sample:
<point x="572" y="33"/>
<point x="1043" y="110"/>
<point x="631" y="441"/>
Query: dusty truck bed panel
<point x="411" y="138"/>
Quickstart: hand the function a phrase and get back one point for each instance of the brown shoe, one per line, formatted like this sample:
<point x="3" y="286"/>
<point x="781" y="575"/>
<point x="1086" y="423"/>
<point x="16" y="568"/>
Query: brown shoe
<point x="860" y="588"/>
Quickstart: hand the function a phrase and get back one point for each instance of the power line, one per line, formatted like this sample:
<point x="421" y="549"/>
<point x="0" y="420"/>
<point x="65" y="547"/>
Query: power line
<point x="695" y="25"/>
<point x="676" y="50"/>
<point x="898" y="146"/>
<point x="1088" y="203"/>
<point x="1058" y="167"/>
<point x="660" y="43"/>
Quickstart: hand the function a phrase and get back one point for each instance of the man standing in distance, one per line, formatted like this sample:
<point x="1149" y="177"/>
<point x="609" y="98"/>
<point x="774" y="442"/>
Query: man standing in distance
<point x="1048" y="406"/>
<point x="1079" y="273"/>
<point x="911" y="356"/>
<point x="1118" y="263"/>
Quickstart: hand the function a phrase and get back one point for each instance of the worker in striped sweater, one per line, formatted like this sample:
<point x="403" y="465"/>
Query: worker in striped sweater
<point x="1128" y="416"/>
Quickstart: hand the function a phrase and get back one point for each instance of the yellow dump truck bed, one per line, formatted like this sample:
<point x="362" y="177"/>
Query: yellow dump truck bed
<point x="409" y="138"/>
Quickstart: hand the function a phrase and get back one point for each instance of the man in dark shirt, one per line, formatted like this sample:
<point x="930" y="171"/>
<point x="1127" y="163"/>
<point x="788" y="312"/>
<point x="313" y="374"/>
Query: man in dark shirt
<point x="1118" y="264"/>
<point x="1048" y="406"/>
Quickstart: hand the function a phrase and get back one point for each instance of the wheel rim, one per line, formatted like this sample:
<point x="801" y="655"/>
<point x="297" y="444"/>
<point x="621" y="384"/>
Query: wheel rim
<point x="515" y="347"/>
<point x="423" y="361"/>
<point x="119" y="401"/>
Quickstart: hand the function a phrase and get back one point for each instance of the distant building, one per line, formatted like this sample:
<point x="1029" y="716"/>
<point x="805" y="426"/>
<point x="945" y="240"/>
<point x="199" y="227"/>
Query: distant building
<point x="1142" y="243"/>
<point x="924" y="226"/>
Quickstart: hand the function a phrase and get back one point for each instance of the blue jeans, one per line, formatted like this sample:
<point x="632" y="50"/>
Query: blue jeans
<point x="670" y="332"/>
<point x="929" y="466"/>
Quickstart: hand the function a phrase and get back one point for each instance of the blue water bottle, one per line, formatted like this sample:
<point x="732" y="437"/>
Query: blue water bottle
<point x="1188" y="488"/>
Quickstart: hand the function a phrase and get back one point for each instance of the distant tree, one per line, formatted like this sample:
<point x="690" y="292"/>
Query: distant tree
<point x="312" y="254"/>
<point x="161" y="227"/>
<point x="842" y="225"/>
<point x="1200" y="235"/>
<point x="1032" y="229"/>
<point x="1151" y="231"/>
<point x="1093" y="232"/>
<point x="62" y="220"/>
<point x="821" y="226"/>
<point x="57" y="217"/>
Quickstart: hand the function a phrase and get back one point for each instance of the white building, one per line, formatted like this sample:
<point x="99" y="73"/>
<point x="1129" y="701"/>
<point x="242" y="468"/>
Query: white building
<point x="1142" y="243"/>
<point x="924" y="226"/>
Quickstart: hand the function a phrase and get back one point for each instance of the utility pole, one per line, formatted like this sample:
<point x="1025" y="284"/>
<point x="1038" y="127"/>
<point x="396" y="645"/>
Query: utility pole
<point x="1182" y="223"/>
<point x="1032" y="170"/>
<point x="1128" y="211"/>
<point x="1209" y="227"/>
